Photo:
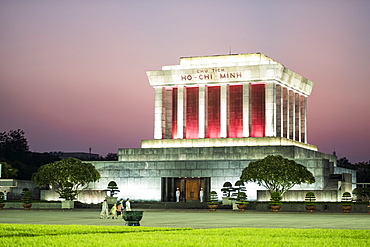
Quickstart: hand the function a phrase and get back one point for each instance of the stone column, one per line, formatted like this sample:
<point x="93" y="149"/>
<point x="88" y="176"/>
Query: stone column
<point x="202" y="111"/>
<point x="279" y="111"/>
<point x="285" y="127"/>
<point x="270" y="111"/>
<point x="180" y="112"/>
<point x="158" y="112"/>
<point x="291" y="115"/>
<point x="246" y="111"/>
<point x="297" y="119"/>
<point x="303" y="102"/>
<point x="223" y="113"/>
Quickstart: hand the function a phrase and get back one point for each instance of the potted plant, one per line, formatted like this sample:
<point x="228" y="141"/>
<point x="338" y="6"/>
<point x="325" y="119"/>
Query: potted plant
<point x="212" y="201"/>
<point x="26" y="198"/>
<point x="226" y="192"/>
<point x="346" y="202"/>
<point x="275" y="202"/>
<point x="241" y="201"/>
<point x="2" y="204"/>
<point x="132" y="218"/>
<point x="238" y="187"/>
<point x="310" y="202"/>
<point x="69" y="194"/>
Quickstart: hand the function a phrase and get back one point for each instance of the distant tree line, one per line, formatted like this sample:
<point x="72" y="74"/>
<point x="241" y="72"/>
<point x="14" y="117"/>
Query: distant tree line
<point x="108" y="157"/>
<point x="19" y="162"/>
<point x="362" y="169"/>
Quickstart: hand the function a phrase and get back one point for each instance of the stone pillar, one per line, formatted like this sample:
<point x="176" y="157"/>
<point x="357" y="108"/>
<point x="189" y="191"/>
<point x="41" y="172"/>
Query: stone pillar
<point x="297" y="118"/>
<point x="270" y="111"/>
<point x="223" y="113"/>
<point x="285" y="127"/>
<point x="202" y="111"/>
<point x="246" y="111"/>
<point x="303" y="101"/>
<point x="167" y="110"/>
<point x="158" y="112"/>
<point x="291" y="115"/>
<point x="279" y="111"/>
<point x="180" y="112"/>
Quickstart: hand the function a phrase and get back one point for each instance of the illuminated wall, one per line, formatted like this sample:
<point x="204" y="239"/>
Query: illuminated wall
<point x="191" y="116"/>
<point x="235" y="111"/>
<point x="258" y="110"/>
<point x="174" y="114"/>
<point x="213" y="112"/>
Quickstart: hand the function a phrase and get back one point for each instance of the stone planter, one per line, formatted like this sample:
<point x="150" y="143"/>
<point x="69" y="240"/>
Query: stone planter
<point x="242" y="207"/>
<point x="346" y="209"/>
<point x="275" y="208"/>
<point x="310" y="208"/>
<point x="132" y="218"/>
<point x="212" y="207"/>
<point x="27" y="206"/>
<point x="68" y="204"/>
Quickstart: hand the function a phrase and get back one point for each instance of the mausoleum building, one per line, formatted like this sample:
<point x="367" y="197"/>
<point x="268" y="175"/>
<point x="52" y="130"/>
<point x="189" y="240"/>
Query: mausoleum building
<point x="213" y="115"/>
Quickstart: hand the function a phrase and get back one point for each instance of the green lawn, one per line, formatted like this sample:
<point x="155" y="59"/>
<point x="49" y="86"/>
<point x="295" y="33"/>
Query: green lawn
<point x="83" y="235"/>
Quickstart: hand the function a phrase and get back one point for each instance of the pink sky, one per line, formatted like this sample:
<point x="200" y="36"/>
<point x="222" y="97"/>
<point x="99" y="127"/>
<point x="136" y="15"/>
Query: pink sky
<point x="72" y="73"/>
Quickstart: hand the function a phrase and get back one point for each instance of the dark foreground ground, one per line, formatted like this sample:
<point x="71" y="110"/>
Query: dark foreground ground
<point x="194" y="218"/>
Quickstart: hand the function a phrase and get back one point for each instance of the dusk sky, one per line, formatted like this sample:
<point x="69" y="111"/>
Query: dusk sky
<point x="73" y="73"/>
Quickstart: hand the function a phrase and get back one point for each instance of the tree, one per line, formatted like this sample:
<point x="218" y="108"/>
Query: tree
<point x="14" y="151"/>
<point x="111" y="157"/>
<point x="363" y="172"/>
<point x="7" y="171"/>
<point x="112" y="188"/>
<point x="13" y="144"/>
<point x="362" y="169"/>
<point x="344" y="162"/>
<point x="67" y="177"/>
<point x="276" y="173"/>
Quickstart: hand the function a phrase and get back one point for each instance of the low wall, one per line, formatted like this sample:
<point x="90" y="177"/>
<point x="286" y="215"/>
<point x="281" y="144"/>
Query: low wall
<point x="85" y="196"/>
<point x="35" y="205"/>
<point x="320" y="207"/>
<point x="299" y="195"/>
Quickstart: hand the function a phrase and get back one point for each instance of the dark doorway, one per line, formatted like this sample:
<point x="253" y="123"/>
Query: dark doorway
<point x="189" y="188"/>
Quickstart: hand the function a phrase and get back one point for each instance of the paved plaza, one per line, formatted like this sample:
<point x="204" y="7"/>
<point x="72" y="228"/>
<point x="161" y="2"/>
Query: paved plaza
<point x="193" y="218"/>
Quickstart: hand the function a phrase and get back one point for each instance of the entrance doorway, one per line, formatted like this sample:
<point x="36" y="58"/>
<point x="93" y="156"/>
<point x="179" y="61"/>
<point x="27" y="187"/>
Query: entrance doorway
<point x="189" y="188"/>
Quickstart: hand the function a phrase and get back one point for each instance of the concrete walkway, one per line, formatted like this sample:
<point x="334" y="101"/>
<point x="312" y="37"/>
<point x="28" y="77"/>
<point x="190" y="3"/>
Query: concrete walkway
<point x="192" y="218"/>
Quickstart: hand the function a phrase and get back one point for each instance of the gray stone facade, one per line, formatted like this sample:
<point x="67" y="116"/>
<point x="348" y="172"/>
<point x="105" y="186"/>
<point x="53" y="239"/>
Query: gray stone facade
<point x="139" y="172"/>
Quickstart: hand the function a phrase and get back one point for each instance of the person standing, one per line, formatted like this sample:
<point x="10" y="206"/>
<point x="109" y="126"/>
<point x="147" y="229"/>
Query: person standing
<point x="104" y="210"/>
<point x="122" y="204"/>
<point x="178" y="195"/>
<point x="128" y="205"/>
<point x="201" y="194"/>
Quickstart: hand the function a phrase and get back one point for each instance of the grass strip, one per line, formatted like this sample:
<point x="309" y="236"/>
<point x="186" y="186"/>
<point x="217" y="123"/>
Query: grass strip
<point x="46" y="235"/>
<point x="27" y="230"/>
